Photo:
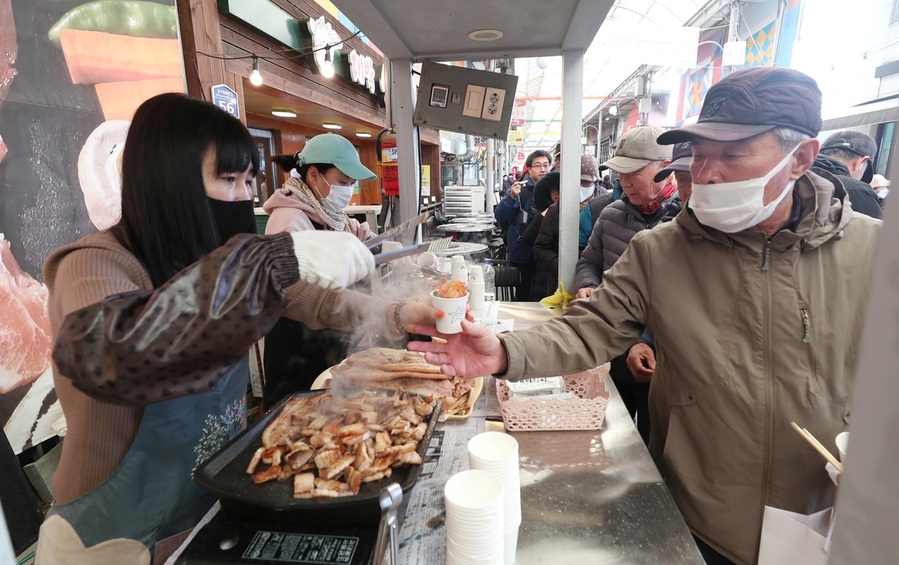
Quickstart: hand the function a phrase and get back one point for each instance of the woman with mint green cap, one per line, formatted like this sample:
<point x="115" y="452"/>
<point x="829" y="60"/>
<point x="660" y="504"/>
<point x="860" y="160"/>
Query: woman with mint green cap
<point x="313" y="198"/>
<point x="320" y="186"/>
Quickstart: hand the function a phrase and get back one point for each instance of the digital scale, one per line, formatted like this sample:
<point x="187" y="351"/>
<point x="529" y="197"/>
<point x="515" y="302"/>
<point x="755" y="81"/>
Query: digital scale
<point x="231" y="540"/>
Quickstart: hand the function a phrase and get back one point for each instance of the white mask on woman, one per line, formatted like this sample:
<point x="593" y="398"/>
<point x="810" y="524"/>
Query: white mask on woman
<point x="735" y="206"/>
<point x="586" y="192"/>
<point x="338" y="198"/>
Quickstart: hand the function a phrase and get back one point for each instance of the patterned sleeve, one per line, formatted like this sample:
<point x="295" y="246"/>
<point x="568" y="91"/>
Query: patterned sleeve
<point x="141" y="346"/>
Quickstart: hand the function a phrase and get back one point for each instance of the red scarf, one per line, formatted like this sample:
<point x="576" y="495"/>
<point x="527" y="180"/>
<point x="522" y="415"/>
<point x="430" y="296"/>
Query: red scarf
<point x="653" y="206"/>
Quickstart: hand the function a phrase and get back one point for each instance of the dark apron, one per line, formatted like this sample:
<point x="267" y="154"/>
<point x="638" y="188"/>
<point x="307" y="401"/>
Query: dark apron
<point x="151" y="495"/>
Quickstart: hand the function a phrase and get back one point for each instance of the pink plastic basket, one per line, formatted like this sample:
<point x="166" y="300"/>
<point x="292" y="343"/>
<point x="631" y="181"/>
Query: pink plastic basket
<point x="586" y="412"/>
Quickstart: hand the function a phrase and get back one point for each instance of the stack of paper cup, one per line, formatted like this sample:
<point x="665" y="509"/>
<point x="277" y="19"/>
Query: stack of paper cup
<point x="458" y="270"/>
<point x="497" y="454"/>
<point x="474" y="519"/>
<point x="476" y="287"/>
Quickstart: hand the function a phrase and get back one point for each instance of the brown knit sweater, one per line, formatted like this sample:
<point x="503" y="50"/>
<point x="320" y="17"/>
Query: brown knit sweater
<point x="118" y="323"/>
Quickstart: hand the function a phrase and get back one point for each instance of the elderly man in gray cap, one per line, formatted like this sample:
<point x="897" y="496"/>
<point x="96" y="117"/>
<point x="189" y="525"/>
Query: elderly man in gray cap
<point x="756" y="293"/>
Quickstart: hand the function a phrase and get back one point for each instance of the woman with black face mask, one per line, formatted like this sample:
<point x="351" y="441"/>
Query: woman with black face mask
<point x="152" y="320"/>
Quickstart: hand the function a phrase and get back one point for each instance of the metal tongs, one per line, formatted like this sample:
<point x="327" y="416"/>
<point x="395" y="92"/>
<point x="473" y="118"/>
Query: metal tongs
<point x="390" y="499"/>
<point x="434" y="245"/>
<point x="393" y="232"/>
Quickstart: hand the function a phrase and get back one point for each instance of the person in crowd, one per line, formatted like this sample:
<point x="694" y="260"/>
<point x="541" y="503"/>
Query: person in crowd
<point x="546" y="245"/>
<point x="756" y="294"/>
<point x="515" y="210"/>
<point x="848" y="155"/>
<point x="507" y="182"/>
<point x="641" y="358"/>
<point x="646" y="203"/>
<point x="546" y="193"/>
<point x="617" y="191"/>
<point x="881" y="186"/>
<point x="607" y="183"/>
<point x="557" y="161"/>
<point x="152" y="320"/>
<point x="313" y="198"/>
<point x="589" y="212"/>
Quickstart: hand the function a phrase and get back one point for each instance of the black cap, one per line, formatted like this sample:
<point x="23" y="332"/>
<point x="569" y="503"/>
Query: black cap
<point x="854" y="142"/>
<point x="752" y="101"/>
<point x="681" y="156"/>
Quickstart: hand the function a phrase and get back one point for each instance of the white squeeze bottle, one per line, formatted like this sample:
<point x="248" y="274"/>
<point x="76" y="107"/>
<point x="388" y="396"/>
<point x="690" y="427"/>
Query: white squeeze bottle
<point x="489" y="281"/>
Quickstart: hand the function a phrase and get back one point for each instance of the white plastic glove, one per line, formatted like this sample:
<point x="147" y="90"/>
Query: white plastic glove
<point x="331" y="259"/>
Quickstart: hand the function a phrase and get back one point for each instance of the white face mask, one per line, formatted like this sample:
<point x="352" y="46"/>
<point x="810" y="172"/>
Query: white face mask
<point x="735" y="206"/>
<point x="338" y="197"/>
<point x="586" y="192"/>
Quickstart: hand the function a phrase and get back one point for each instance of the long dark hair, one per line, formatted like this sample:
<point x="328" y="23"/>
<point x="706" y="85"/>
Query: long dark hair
<point x="166" y="218"/>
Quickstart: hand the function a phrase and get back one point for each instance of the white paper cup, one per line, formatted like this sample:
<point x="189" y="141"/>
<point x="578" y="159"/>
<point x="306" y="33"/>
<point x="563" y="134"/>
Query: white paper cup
<point x="842" y="441"/>
<point x="476" y="295"/>
<point x="472" y="491"/>
<point x="426" y="259"/>
<point x="475" y="274"/>
<point x="493" y="447"/>
<point x="454" y="313"/>
<point x="510" y="545"/>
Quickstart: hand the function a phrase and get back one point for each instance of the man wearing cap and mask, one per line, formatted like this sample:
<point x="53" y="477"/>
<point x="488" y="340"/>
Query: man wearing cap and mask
<point x="645" y="204"/>
<point x="756" y="294"/>
<point x="641" y="357"/>
<point x="848" y="155"/>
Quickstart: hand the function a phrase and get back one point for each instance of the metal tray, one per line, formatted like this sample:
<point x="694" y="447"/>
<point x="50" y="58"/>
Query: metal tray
<point x="224" y="474"/>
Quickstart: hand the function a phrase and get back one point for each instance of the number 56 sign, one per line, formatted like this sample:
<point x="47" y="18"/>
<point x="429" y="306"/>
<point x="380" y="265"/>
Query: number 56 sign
<point x="226" y="99"/>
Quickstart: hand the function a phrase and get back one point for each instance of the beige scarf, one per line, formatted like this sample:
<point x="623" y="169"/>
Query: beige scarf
<point x="301" y="190"/>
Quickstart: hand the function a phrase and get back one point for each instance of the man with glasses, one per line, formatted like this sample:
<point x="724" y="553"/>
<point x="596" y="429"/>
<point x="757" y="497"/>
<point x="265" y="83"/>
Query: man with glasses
<point x="515" y="210"/>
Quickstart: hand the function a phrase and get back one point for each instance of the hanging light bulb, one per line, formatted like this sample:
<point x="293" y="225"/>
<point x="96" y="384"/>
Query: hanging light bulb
<point x="613" y="110"/>
<point x="328" y="66"/>
<point x="256" y="76"/>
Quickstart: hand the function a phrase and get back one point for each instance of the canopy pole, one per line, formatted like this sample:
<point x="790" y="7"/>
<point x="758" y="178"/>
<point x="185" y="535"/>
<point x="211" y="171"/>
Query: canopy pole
<point x="407" y="142"/>
<point x="569" y="203"/>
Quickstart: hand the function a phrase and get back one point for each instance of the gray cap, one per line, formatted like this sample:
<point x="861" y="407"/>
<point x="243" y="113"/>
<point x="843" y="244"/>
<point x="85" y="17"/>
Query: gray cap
<point x="636" y="149"/>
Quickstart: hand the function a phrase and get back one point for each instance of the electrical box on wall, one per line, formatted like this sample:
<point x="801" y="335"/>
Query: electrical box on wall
<point x="465" y="100"/>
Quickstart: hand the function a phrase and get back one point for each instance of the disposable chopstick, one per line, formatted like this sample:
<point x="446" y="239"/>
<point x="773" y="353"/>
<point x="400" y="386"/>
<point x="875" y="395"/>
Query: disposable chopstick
<point x="813" y="441"/>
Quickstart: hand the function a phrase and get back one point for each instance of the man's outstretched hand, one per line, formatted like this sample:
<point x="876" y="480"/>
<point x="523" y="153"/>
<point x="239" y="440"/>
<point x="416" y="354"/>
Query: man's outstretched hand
<point x="475" y="352"/>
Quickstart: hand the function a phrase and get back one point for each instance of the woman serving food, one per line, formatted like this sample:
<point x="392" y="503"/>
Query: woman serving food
<point x="152" y="320"/>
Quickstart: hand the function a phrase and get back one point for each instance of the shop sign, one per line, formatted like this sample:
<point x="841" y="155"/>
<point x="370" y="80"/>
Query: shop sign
<point x="480" y="141"/>
<point x="362" y="71"/>
<point x="323" y="35"/>
<point x="519" y="112"/>
<point x="516" y="136"/>
<point x="520" y="158"/>
<point x="226" y="99"/>
<point x="426" y="178"/>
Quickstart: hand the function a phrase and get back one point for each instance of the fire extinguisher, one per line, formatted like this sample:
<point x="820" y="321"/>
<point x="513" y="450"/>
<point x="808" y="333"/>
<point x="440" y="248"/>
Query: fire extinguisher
<point x="388" y="159"/>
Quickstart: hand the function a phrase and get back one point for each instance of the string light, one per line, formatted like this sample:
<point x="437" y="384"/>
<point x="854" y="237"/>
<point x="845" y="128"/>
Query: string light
<point x="328" y="65"/>
<point x="256" y="76"/>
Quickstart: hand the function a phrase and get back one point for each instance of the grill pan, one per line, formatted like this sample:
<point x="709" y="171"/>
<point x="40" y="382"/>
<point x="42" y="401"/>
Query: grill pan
<point x="224" y="474"/>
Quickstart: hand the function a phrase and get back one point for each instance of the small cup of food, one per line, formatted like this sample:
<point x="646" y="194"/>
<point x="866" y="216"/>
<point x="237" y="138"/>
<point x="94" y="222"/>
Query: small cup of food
<point x="451" y="298"/>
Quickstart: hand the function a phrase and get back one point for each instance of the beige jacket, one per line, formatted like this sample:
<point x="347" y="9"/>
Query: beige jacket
<point x="751" y="334"/>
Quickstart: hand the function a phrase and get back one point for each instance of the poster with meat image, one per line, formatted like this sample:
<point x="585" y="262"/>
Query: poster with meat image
<point x="71" y="75"/>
